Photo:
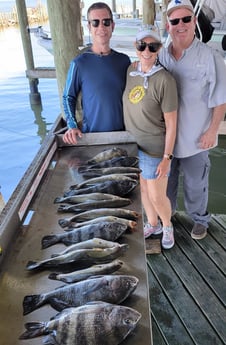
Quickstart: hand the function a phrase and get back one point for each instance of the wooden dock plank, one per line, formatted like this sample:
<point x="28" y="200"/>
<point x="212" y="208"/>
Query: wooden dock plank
<point x="188" y="283"/>
<point x="159" y="337"/>
<point x="212" y="246"/>
<point x="162" y="310"/>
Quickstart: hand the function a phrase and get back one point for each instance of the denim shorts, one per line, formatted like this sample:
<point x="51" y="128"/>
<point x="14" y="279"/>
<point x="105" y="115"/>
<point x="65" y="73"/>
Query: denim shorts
<point x="148" y="165"/>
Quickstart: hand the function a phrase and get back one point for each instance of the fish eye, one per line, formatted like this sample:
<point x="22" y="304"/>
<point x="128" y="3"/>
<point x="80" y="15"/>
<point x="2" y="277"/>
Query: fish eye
<point x="127" y="321"/>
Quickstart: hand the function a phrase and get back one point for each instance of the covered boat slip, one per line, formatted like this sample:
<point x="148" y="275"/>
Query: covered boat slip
<point x="24" y="243"/>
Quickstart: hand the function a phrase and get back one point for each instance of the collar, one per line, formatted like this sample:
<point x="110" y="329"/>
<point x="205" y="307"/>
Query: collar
<point x="152" y="71"/>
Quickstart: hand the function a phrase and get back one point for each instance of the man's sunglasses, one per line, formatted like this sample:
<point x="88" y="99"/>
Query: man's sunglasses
<point x="185" y="20"/>
<point x="96" y="22"/>
<point x="153" y="47"/>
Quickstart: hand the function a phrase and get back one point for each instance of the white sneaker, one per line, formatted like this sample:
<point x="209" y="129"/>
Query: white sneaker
<point x="168" y="237"/>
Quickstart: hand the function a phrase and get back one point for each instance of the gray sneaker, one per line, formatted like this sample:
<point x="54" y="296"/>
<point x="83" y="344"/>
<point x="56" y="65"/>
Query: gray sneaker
<point x="198" y="232"/>
<point x="168" y="237"/>
<point x="152" y="230"/>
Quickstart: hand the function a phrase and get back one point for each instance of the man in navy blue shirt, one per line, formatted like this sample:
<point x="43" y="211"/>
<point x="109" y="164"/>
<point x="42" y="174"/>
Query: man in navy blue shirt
<point x="99" y="73"/>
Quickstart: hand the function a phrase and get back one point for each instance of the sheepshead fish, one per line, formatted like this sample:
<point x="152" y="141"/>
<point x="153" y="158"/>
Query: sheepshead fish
<point x="91" y="214"/>
<point x="94" y="324"/>
<point x="111" y="177"/>
<point x="108" y="154"/>
<point x="122" y="161"/>
<point x="85" y="273"/>
<point x="90" y="173"/>
<point x="94" y="204"/>
<point x="106" y="230"/>
<point x="120" y="188"/>
<point x="107" y="288"/>
<point x="87" y="256"/>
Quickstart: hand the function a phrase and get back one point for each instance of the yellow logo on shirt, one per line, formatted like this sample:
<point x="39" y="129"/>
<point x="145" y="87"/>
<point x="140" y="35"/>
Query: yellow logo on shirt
<point x="136" y="94"/>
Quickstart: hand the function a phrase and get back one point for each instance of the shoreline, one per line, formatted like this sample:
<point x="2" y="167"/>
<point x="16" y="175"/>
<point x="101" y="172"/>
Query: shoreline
<point x="35" y="15"/>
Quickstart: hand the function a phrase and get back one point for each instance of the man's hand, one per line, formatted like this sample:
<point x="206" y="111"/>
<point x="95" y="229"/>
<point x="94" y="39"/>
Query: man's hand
<point x="207" y="140"/>
<point x="70" y="137"/>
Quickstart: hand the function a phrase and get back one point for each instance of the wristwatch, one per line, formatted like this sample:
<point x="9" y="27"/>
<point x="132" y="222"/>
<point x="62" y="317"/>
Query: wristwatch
<point x="168" y="156"/>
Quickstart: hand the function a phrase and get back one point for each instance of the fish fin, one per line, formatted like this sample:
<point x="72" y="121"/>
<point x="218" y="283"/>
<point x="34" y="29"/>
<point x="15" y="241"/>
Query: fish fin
<point x="53" y="276"/>
<point x="58" y="304"/>
<point x="32" y="302"/>
<point x="49" y="240"/>
<point x="50" y="340"/>
<point x="73" y="186"/>
<point x="31" y="265"/>
<point x="33" y="330"/>
<point x="65" y="208"/>
<point x="83" y="168"/>
<point x="63" y="222"/>
<point x="58" y="200"/>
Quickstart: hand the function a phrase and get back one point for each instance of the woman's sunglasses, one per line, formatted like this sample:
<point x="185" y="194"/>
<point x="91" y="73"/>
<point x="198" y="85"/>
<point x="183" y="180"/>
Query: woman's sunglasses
<point x="153" y="47"/>
<point x="96" y="22"/>
<point x="185" y="20"/>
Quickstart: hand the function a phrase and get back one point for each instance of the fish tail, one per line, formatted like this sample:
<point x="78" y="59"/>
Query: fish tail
<point x="63" y="222"/>
<point x="31" y="303"/>
<point x="53" y="276"/>
<point x="49" y="240"/>
<point x="31" y="265"/>
<point x="58" y="200"/>
<point x="63" y="208"/>
<point x="33" y="330"/>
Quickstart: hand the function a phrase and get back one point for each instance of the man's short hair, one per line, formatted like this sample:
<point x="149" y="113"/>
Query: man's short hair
<point x="99" y="6"/>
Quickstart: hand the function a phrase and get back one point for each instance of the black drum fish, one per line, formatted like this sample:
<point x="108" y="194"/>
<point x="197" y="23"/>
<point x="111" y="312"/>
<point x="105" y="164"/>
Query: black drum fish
<point x="91" y="214"/>
<point x="107" y="230"/>
<point x="120" y="188"/>
<point x="122" y="161"/>
<point x="87" y="256"/>
<point x="85" y="273"/>
<point x="108" y="154"/>
<point x="106" y="288"/>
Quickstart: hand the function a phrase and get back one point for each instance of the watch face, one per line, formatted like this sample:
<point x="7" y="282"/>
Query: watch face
<point x="170" y="157"/>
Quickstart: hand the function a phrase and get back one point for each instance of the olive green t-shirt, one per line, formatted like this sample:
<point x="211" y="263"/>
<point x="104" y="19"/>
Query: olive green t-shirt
<point x="144" y="108"/>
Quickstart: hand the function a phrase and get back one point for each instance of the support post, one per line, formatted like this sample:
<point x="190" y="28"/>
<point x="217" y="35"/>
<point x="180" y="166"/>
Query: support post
<point x="65" y="27"/>
<point x="148" y="11"/>
<point x="35" y="97"/>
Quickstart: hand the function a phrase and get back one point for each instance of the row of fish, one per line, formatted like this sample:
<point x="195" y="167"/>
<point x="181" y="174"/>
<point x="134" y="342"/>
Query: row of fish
<point x="89" y="305"/>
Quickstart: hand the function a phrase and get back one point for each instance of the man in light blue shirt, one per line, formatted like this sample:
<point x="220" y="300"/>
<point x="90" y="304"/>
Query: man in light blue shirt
<point x="200" y="74"/>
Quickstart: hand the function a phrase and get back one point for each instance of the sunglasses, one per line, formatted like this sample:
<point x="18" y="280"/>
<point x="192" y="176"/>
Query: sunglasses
<point x="185" y="20"/>
<point x="153" y="47"/>
<point x="96" y="22"/>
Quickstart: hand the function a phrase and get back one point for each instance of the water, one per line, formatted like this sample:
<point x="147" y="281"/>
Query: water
<point x="22" y="129"/>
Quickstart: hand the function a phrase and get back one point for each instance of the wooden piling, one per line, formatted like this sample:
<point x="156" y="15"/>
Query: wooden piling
<point x="35" y="97"/>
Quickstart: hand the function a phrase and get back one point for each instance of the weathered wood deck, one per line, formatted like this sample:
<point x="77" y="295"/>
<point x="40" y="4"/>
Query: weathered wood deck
<point x="188" y="287"/>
